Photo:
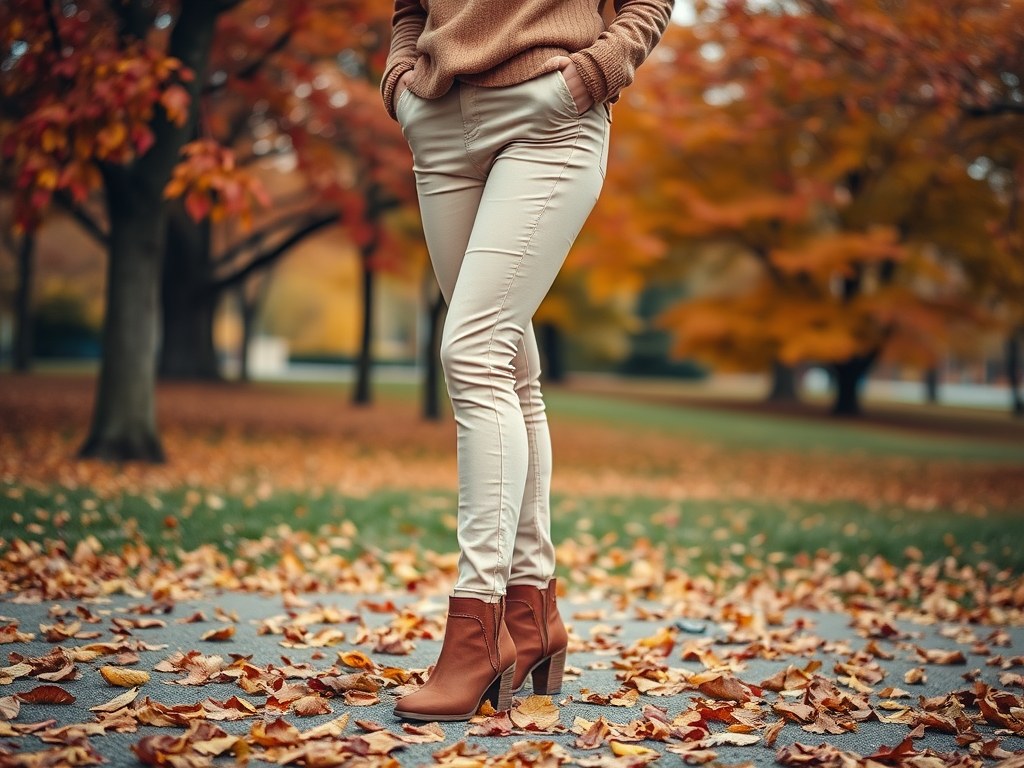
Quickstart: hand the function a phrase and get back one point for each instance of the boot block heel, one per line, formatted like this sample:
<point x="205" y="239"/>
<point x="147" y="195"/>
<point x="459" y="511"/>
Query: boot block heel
<point x="500" y="692"/>
<point x="547" y="676"/>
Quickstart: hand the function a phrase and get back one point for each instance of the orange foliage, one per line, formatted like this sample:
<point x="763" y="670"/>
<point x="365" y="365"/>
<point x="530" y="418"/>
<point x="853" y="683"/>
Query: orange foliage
<point x="832" y="145"/>
<point x="75" y="98"/>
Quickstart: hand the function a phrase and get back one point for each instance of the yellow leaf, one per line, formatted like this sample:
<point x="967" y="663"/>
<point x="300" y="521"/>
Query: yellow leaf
<point x="356" y="659"/>
<point x="126" y="678"/>
<point x="622" y="749"/>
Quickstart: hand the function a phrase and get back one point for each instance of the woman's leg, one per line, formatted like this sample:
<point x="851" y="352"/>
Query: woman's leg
<point x="540" y="166"/>
<point x="533" y="554"/>
<point x="506" y="177"/>
<point x="545" y="172"/>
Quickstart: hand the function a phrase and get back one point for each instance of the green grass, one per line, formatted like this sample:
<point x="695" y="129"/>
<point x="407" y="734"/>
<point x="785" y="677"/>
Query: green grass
<point x="736" y="429"/>
<point x="766" y="431"/>
<point x="692" y="534"/>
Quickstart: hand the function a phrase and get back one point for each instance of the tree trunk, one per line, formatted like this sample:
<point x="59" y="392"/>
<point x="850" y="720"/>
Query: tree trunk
<point x="250" y="311"/>
<point x="432" y="359"/>
<point x="124" y="419"/>
<point x="931" y="385"/>
<point x="784" y="388"/>
<point x="23" y="305"/>
<point x="361" y="395"/>
<point x="189" y="302"/>
<point x="1013" y="373"/>
<point x="554" y="357"/>
<point x="124" y="416"/>
<point x="247" y="310"/>
<point x="848" y="376"/>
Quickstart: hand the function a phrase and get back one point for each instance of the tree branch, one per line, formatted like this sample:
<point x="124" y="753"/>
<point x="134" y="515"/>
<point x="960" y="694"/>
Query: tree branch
<point x="256" y="238"/>
<point x="999" y="108"/>
<point x="58" y="46"/>
<point x="249" y="70"/>
<point x="87" y="222"/>
<point x="269" y="257"/>
<point x="135" y="20"/>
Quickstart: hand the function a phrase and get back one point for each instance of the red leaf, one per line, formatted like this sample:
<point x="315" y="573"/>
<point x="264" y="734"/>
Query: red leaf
<point x="47" y="694"/>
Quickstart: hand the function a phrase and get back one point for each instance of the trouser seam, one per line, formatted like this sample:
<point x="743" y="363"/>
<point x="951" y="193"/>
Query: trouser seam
<point x="490" y="340"/>
<point x="467" y="139"/>
<point x="534" y="455"/>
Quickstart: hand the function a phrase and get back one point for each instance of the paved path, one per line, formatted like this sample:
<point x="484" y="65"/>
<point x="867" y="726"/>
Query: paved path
<point x="265" y="649"/>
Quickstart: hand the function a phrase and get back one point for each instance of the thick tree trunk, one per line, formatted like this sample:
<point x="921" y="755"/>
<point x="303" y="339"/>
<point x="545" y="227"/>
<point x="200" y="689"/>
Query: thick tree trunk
<point x="124" y="416"/>
<point x="784" y="387"/>
<point x="361" y="395"/>
<point x="189" y="302"/>
<point x="1013" y="373"/>
<point x="554" y="356"/>
<point x="848" y="376"/>
<point x="931" y="385"/>
<point x="432" y="359"/>
<point x="23" y="346"/>
<point x="124" y="419"/>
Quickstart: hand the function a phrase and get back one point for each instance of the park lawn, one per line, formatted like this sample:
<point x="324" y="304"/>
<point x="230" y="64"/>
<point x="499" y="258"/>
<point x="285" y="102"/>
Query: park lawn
<point x="277" y="430"/>
<point x="767" y="432"/>
<point x="699" y="536"/>
<point x="733" y="428"/>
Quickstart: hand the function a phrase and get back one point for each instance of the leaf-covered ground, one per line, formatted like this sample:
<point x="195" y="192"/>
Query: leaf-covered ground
<point x="743" y="588"/>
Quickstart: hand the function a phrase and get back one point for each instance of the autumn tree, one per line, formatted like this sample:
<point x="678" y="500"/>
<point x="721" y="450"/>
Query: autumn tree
<point x="108" y="96"/>
<point x="291" y="81"/>
<point x="831" y="145"/>
<point x="101" y="95"/>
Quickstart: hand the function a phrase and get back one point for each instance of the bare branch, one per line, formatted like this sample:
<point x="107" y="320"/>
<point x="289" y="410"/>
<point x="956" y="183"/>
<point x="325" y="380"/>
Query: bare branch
<point x="269" y="257"/>
<point x="255" y="239"/>
<point x="87" y="222"/>
<point x="998" y="108"/>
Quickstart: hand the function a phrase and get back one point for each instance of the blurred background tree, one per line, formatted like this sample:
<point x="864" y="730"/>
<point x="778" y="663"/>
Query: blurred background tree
<point x="864" y="156"/>
<point x="165" y="106"/>
<point x="792" y="184"/>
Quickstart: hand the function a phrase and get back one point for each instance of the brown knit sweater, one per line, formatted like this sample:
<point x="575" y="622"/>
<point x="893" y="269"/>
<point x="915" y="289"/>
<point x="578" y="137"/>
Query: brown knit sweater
<point x="504" y="42"/>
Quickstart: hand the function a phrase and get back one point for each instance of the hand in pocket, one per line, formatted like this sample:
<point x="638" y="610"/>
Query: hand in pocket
<point x="577" y="87"/>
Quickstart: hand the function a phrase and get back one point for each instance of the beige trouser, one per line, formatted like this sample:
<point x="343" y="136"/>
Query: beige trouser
<point x="505" y="177"/>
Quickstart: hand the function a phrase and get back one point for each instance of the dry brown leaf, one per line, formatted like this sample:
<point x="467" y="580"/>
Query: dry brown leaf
<point x="536" y="713"/>
<point x="361" y="699"/>
<point x="939" y="656"/>
<point x="726" y="687"/>
<point x="733" y="739"/>
<point x="497" y="725"/>
<point x="118" y="702"/>
<point x="693" y="752"/>
<point x="625" y="697"/>
<point x="422" y="734"/>
<point x="125" y="678"/>
<point x="893" y="693"/>
<point x="915" y="676"/>
<point x="332" y="729"/>
<point x="307" y="706"/>
<point x="277" y="732"/>
<point x="219" y="634"/>
<point x="771" y="733"/>
<point x="46" y="694"/>
<point x="380" y="742"/>
<point x="594" y="734"/>
<point x="9" y="707"/>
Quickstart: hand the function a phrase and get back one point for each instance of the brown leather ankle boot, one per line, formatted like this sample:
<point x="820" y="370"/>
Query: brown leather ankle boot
<point x="477" y="662"/>
<point x="539" y="635"/>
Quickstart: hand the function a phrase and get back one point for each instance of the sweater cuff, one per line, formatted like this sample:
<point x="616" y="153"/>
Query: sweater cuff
<point x="390" y="80"/>
<point x="591" y="75"/>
